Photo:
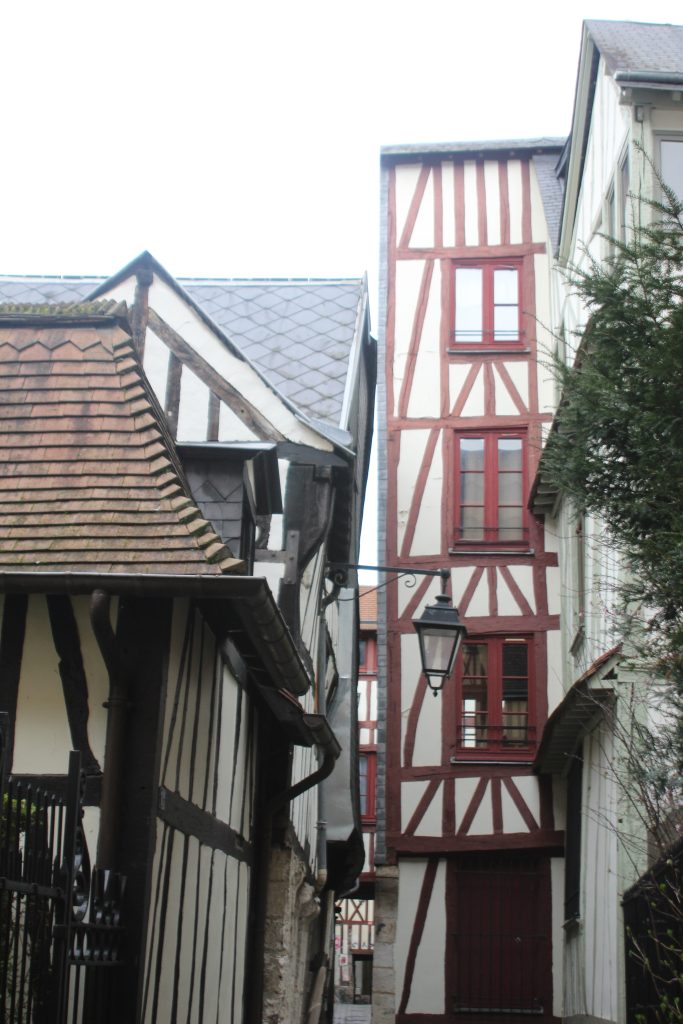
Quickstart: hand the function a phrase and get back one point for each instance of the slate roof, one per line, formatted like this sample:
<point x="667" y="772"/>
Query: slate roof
<point x="88" y="479"/>
<point x="631" y="47"/>
<point x="298" y="334"/>
<point x="552" y="192"/>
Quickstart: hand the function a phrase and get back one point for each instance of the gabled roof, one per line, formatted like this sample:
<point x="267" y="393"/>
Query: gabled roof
<point x="89" y="481"/>
<point x="636" y="55"/>
<point x="639" y="52"/>
<point x="299" y="334"/>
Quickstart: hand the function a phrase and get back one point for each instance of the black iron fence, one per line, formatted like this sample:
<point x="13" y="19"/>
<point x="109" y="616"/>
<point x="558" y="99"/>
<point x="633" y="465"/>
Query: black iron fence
<point x="653" y="920"/>
<point x="60" y="931"/>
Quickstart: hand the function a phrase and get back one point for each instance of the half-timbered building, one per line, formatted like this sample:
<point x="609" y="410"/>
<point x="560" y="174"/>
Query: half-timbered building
<point x="355" y="932"/>
<point x="182" y="464"/>
<point x="468" y="846"/>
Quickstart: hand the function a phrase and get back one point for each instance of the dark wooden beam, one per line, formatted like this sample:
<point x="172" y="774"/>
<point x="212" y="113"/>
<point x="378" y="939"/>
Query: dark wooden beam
<point x="11" y="649"/>
<point x="213" y="380"/>
<point x="191" y="820"/>
<point x="72" y="673"/>
<point x="143" y="633"/>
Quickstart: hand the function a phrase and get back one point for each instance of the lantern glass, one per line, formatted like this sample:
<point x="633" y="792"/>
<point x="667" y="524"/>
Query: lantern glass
<point x="440" y="632"/>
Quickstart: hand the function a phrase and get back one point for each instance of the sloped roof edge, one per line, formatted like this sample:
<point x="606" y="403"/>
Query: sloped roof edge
<point x="570" y="719"/>
<point x="145" y="262"/>
<point x="476" y="147"/>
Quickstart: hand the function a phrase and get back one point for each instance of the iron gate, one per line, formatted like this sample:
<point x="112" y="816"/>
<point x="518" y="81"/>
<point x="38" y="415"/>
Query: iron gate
<point x="60" y="932"/>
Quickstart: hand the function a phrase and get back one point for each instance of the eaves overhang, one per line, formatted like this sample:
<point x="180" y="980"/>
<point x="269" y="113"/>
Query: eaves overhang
<point x="481" y="148"/>
<point x="582" y="705"/>
<point x="242" y="607"/>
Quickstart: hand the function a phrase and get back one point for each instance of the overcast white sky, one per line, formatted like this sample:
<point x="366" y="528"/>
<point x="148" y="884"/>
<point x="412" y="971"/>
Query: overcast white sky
<point x="241" y="139"/>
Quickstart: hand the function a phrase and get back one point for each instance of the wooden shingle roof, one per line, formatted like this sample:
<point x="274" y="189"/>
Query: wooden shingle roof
<point x="89" y="480"/>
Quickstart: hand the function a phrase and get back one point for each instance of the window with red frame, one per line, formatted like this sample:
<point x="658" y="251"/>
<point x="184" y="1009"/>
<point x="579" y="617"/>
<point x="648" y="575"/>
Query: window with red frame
<point x="490" y="488"/>
<point x="486" y="304"/>
<point x="366" y="776"/>
<point x="494" y="711"/>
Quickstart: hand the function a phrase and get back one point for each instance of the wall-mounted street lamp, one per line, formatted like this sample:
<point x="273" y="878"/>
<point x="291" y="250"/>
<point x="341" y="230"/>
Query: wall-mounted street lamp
<point x="440" y="633"/>
<point x="439" y="629"/>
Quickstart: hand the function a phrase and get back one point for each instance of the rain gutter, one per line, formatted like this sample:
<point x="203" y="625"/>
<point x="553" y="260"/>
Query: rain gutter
<point x="251" y="603"/>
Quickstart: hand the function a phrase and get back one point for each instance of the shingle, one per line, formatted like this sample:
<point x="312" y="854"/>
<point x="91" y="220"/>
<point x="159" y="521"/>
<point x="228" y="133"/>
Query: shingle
<point x="86" y="474"/>
<point x="298" y="331"/>
<point x="630" y="46"/>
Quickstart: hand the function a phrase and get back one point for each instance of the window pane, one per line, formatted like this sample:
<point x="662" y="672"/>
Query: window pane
<point x="475" y="660"/>
<point x="472" y="453"/>
<point x="510" y="524"/>
<point x="510" y="489"/>
<point x="672" y="165"/>
<point x="472" y="488"/>
<point x="505" y="323"/>
<point x="509" y="453"/>
<point x="515" y="694"/>
<point x="505" y="287"/>
<point x="468" y="304"/>
<point x="472" y="522"/>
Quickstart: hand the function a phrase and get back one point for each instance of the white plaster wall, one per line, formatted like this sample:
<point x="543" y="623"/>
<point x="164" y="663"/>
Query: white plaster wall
<point x="408" y="280"/>
<point x="411" y="794"/>
<point x="427" y="536"/>
<point x="464" y="791"/>
<point x="427" y="750"/>
<point x="474" y="406"/>
<point x="492" y="188"/>
<point x="423" y="233"/>
<point x="519" y="375"/>
<point x="412" y="449"/>
<point x="231" y="427"/>
<point x="42" y="739"/>
<point x="471" y="203"/>
<point x="425" y="395"/>
<point x="428" y="984"/>
<point x="448" y="192"/>
<point x="516" y="200"/>
<point x="503" y="402"/>
<point x="155" y="365"/>
<point x="406" y="180"/>
<point x="193" y="408"/>
<point x="523" y="575"/>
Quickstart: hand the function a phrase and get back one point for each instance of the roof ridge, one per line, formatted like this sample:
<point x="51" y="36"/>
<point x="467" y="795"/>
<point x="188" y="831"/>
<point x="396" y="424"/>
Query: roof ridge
<point x="95" y="307"/>
<point x="166" y="471"/>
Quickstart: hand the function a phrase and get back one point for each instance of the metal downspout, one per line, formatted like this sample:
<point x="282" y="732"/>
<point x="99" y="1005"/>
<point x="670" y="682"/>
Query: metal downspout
<point x="117" y="708"/>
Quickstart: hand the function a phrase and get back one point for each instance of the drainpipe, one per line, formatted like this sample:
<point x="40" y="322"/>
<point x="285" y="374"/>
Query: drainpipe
<point x="117" y="707"/>
<point x="321" y="845"/>
<point x="327" y="742"/>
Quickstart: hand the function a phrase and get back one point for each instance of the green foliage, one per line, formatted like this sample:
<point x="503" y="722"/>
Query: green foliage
<point x="618" y="447"/>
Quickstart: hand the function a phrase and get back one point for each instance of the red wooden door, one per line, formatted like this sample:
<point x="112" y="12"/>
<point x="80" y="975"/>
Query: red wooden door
<point x="499" y="936"/>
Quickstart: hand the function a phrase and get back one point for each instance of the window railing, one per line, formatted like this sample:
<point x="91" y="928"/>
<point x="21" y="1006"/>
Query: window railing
<point x="474" y="732"/>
